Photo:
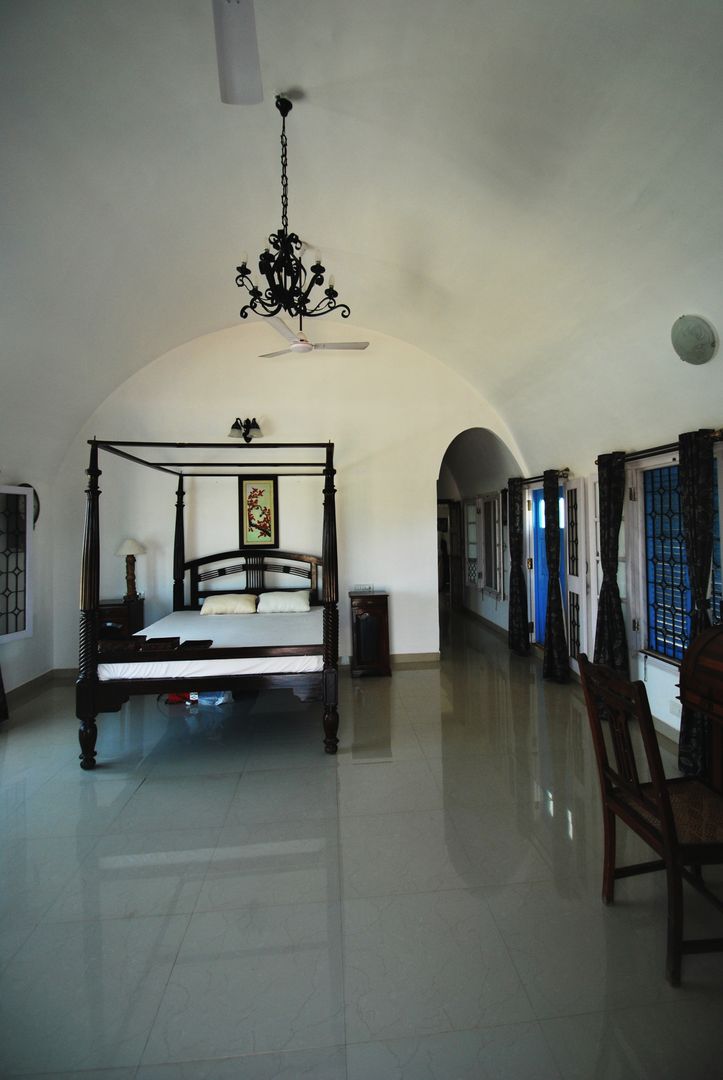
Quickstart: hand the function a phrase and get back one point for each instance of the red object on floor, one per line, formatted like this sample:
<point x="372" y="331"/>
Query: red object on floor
<point x="177" y="699"/>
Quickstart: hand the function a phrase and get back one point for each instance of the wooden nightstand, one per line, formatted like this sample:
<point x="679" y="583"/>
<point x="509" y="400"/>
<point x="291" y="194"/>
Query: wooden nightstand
<point x="369" y="634"/>
<point x="120" y="619"/>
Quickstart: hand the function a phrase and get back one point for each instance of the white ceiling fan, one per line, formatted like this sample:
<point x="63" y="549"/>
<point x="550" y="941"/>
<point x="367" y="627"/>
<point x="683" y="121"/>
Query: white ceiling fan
<point x="299" y="343"/>
<point x="237" y="50"/>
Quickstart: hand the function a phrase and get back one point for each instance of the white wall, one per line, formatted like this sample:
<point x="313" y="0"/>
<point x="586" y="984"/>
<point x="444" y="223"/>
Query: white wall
<point x="391" y="412"/>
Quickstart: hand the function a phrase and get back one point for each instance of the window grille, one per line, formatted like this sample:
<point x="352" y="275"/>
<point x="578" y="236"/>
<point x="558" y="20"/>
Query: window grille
<point x="668" y="595"/>
<point x="573" y="543"/>
<point x="15" y="509"/>
<point x="573" y="623"/>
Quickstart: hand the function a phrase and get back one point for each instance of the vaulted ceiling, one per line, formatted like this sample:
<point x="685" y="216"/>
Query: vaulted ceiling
<point x="527" y="189"/>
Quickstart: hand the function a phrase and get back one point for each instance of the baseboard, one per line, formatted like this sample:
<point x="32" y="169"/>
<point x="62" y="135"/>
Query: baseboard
<point x="57" y="676"/>
<point x="403" y="660"/>
<point x="421" y="659"/>
<point x="500" y="631"/>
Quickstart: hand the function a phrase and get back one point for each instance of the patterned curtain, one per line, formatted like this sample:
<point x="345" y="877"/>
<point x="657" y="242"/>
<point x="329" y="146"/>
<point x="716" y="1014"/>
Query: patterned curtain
<point x="556" y="662"/>
<point x="611" y="645"/>
<point x="518" y="637"/>
<point x="695" y="485"/>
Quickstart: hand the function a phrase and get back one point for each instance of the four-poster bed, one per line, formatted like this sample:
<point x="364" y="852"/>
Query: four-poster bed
<point x="188" y="650"/>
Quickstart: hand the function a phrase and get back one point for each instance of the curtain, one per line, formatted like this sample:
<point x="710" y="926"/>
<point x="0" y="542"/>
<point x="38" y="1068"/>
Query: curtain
<point x="611" y="645"/>
<point x="556" y="661"/>
<point x="695" y="486"/>
<point x="518" y="636"/>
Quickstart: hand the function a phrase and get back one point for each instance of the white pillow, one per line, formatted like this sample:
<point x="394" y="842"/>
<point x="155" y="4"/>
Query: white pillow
<point x="229" y="604"/>
<point x="286" y="600"/>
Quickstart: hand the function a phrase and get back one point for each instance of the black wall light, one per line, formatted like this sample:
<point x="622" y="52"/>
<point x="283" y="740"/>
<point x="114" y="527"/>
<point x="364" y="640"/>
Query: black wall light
<point x="245" y="429"/>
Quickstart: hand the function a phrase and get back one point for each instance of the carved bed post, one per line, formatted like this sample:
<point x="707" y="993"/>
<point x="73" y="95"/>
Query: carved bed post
<point x="179" y="550"/>
<point x="330" y="598"/>
<point x="86" y="687"/>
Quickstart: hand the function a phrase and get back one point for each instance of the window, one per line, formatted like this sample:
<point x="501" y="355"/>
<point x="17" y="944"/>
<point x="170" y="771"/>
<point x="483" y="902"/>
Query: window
<point x="491" y="543"/>
<point x="16" y="530"/>
<point x="470" y="538"/>
<point x="667" y="587"/>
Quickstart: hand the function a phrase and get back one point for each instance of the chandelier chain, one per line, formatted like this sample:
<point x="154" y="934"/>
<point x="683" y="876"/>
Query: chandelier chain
<point x="284" y="179"/>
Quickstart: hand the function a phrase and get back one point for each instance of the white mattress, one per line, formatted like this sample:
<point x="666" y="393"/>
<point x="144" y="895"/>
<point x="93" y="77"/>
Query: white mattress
<point x="228" y="631"/>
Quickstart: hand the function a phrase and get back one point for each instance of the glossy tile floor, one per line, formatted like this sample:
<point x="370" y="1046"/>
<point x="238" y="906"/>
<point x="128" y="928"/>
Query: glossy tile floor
<point x="220" y="899"/>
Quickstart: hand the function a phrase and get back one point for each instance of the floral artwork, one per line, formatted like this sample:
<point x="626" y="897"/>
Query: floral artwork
<point x="258" y="510"/>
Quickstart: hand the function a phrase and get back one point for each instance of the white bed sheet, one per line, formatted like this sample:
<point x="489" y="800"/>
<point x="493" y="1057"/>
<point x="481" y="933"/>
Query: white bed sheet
<point x="228" y="631"/>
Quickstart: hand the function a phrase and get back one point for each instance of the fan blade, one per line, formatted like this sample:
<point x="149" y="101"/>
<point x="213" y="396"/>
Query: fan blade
<point x="342" y="345"/>
<point x="281" y="328"/>
<point x="268" y="355"/>
<point x="237" y="51"/>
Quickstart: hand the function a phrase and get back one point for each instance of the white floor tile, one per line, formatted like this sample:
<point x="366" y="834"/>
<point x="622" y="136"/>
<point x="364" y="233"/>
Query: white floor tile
<point x="252" y="980"/>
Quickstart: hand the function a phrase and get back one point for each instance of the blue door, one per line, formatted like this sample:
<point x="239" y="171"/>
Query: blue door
<point x="539" y="557"/>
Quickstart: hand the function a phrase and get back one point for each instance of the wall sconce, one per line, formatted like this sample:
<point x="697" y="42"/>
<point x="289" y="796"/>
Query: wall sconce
<point x="130" y="548"/>
<point x="245" y="429"/>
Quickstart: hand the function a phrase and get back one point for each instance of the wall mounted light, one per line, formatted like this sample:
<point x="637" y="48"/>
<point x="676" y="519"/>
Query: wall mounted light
<point x="130" y="548"/>
<point x="694" y="339"/>
<point x="245" y="429"/>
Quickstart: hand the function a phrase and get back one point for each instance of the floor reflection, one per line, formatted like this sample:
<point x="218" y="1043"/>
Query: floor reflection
<point x="223" y="899"/>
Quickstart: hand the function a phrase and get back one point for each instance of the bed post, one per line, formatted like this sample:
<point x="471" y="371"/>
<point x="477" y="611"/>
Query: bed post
<point x="87" y="684"/>
<point x="330" y="598"/>
<point x="179" y="550"/>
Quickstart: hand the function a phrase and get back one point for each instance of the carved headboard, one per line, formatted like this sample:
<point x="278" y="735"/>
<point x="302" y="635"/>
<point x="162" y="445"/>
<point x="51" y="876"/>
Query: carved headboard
<point x="255" y="572"/>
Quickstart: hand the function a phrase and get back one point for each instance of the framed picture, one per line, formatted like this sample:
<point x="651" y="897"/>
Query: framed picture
<point x="258" y="512"/>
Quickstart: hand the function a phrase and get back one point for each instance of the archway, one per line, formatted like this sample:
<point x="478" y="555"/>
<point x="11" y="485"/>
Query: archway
<point x="472" y="524"/>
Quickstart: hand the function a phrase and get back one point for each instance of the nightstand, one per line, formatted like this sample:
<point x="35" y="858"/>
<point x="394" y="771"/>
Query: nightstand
<point x="369" y="634"/>
<point x="120" y="619"/>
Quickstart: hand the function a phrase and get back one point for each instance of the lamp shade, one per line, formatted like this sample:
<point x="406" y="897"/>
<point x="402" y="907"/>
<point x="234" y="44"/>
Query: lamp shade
<point x="130" y="547"/>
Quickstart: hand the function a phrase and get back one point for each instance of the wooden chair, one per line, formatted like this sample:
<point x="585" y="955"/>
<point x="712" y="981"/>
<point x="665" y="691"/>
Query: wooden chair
<point x="681" y="819"/>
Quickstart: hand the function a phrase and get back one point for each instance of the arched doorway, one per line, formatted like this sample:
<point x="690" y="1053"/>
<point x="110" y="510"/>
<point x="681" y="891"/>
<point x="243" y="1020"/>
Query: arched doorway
<point x="472" y="524"/>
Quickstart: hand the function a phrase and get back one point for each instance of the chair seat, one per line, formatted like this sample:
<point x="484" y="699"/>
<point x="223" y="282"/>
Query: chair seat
<point x="697" y="811"/>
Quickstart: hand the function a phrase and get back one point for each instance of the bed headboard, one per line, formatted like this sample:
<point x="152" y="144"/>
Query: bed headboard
<point x="254" y="572"/>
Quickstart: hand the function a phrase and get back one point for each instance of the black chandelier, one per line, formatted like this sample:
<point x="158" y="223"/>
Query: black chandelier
<point x="289" y="284"/>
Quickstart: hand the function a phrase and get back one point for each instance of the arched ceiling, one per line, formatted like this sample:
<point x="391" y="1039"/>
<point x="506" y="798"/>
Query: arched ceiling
<point x="528" y="189"/>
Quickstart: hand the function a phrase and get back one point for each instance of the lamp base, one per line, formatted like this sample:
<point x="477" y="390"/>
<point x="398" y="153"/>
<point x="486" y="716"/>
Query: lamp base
<point x="131" y="593"/>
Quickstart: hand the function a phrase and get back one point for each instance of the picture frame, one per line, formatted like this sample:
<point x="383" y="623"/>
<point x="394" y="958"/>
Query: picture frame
<point x="258" y="504"/>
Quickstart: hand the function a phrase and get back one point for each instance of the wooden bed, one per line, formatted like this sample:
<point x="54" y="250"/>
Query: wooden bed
<point x="163" y="658"/>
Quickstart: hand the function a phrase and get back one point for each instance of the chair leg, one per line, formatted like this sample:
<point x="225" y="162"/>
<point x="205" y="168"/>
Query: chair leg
<point x="608" y="889"/>
<point x="675" y="925"/>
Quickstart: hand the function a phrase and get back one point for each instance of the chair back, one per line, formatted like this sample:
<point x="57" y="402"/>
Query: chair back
<point x="613" y="700"/>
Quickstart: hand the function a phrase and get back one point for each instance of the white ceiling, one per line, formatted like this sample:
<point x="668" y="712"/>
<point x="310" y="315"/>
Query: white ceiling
<point x="530" y="190"/>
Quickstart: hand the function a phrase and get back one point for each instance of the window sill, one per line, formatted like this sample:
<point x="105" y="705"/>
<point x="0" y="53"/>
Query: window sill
<point x="658" y="660"/>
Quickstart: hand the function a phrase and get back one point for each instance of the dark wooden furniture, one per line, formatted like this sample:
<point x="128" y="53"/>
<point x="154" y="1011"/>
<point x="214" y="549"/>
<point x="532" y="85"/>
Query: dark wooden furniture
<point x="369" y="633"/>
<point x="680" y="819"/>
<point x="701" y="689"/>
<point x="94" y="696"/>
<point x="120" y="619"/>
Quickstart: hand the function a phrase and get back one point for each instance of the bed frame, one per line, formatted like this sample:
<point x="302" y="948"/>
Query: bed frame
<point x="190" y="578"/>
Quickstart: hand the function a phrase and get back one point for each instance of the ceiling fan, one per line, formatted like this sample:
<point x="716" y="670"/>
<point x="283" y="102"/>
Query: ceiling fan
<point x="237" y="50"/>
<point x="299" y="343"/>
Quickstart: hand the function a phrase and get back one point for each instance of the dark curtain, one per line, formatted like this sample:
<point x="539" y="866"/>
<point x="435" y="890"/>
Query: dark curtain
<point x="556" y="662"/>
<point x="611" y="644"/>
<point x="518" y="636"/>
<point x="695" y="485"/>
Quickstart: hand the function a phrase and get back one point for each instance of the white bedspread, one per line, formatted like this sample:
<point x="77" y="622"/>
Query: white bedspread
<point x="228" y="631"/>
